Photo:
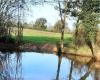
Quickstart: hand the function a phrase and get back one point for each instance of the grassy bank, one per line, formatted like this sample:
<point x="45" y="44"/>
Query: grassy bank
<point x="35" y="36"/>
<point x="42" y="37"/>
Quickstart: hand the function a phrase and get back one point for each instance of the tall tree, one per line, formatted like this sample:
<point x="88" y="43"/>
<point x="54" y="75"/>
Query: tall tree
<point x="40" y="24"/>
<point x="86" y="12"/>
<point x="89" y="21"/>
<point x="62" y="8"/>
<point x="8" y="8"/>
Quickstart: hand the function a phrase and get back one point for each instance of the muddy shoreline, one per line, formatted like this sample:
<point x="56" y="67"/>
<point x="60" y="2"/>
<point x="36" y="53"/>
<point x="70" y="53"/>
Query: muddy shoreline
<point x="43" y="48"/>
<point x="47" y="48"/>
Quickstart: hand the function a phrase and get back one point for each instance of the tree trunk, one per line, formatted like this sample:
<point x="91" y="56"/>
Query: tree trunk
<point x="58" y="70"/>
<point x="71" y="70"/>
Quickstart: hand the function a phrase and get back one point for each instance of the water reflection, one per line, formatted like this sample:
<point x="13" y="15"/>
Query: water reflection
<point x="59" y="65"/>
<point x="71" y="70"/>
<point x="18" y="74"/>
<point x="37" y="66"/>
<point x="97" y="74"/>
<point x="7" y="63"/>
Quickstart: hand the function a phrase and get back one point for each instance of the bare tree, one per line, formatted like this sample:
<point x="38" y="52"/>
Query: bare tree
<point x="10" y="10"/>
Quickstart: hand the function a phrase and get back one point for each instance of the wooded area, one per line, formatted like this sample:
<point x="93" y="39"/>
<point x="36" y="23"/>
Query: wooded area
<point x="86" y="13"/>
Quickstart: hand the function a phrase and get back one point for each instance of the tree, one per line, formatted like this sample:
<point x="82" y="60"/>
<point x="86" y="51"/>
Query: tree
<point x="87" y="16"/>
<point x="90" y="23"/>
<point x="7" y="10"/>
<point x="25" y="25"/>
<point x="58" y="26"/>
<point x="40" y="24"/>
<point x="62" y="15"/>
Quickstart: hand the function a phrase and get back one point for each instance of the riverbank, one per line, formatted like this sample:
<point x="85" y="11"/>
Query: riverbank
<point x="83" y="55"/>
<point x="52" y="48"/>
<point x="43" y="41"/>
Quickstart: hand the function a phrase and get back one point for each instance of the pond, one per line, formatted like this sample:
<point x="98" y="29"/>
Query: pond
<point x="41" y="66"/>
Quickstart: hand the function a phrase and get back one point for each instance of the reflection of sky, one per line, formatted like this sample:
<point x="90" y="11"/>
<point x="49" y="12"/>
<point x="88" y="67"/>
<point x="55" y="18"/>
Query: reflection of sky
<point x="37" y="66"/>
<point x="43" y="66"/>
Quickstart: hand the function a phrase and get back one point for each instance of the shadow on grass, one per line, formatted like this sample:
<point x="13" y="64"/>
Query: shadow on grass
<point x="45" y="39"/>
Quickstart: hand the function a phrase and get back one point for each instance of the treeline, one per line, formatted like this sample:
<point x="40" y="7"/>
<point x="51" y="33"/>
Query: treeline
<point x="86" y="12"/>
<point x="41" y="24"/>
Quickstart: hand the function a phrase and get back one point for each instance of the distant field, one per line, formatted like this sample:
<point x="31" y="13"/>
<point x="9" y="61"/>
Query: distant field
<point x="37" y="36"/>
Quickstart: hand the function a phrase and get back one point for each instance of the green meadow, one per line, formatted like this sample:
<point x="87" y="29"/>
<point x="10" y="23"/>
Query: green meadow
<point x="36" y="36"/>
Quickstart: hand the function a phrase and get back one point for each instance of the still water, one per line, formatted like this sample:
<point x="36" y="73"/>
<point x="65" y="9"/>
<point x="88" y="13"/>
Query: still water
<point x="39" y="66"/>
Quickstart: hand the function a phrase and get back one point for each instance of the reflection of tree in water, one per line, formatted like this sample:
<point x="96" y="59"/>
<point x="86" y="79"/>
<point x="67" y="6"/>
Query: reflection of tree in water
<point x="59" y="54"/>
<point x="84" y="70"/>
<point x="4" y="67"/>
<point x="91" y="67"/>
<point x="59" y="65"/>
<point x="76" y="69"/>
<point x="18" y="75"/>
<point x="7" y="67"/>
<point x="97" y="74"/>
<point x="71" y="70"/>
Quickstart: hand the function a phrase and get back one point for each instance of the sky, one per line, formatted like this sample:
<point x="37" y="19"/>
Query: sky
<point x="46" y="11"/>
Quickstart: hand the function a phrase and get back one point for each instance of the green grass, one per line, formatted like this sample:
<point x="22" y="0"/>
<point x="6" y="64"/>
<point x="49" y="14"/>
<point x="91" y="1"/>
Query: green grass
<point x="35" y="36"/>
<point x="43" y="39"/>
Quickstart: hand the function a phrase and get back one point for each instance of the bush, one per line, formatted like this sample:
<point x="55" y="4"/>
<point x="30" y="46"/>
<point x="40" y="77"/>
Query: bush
<point x="7" y="39"/>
